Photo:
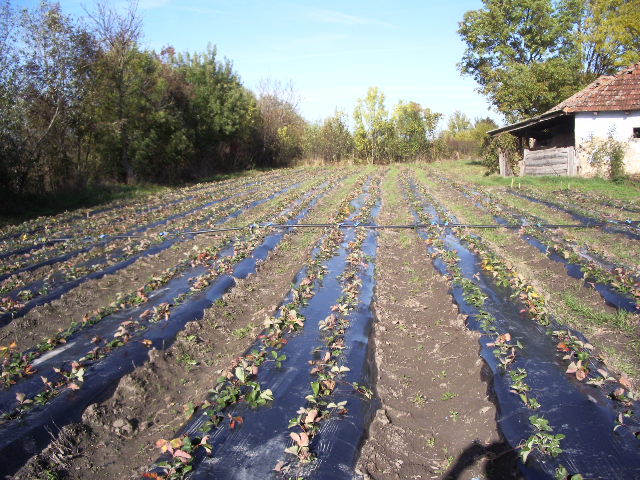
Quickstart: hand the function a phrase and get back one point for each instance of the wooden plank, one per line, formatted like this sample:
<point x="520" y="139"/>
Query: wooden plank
<point x="548" y="165"/>
<point x="550" y="161"/>
<point x="545" y="171"/>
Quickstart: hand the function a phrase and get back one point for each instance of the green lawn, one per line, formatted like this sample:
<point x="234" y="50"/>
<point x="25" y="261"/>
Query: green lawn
<point x="472" y="171"/>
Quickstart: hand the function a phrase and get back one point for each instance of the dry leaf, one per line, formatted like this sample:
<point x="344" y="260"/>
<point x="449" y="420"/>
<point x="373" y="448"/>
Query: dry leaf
<point x="625" y="381"/>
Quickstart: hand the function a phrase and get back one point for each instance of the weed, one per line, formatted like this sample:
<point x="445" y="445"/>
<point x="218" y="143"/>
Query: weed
<point x="186" y="359"/>
<point x="241" y="333"/>
<point x="430" y="442"/>
<point x="448" y="396"/>
<point x="454" y="415"/>
<point x="419" y="399"/>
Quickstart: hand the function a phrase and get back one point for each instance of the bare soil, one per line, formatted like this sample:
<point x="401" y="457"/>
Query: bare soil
<point x="436" y="420"/>
<point x="116" y="438"/>
<point x="619" y="349"/>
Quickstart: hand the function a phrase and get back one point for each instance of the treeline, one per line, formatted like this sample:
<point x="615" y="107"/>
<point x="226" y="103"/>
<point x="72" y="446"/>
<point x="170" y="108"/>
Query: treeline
<point x="81" y="103"/>
<point x="529" y="55"/>
<point x="409" y="132"/>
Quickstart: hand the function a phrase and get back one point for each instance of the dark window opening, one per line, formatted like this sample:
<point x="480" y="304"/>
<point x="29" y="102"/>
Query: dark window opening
<point x="636" y="132"/>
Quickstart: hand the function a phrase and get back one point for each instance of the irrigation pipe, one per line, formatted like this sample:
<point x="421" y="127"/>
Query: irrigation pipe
<point x="415" y="226"/>
<point x="375" y="226"/>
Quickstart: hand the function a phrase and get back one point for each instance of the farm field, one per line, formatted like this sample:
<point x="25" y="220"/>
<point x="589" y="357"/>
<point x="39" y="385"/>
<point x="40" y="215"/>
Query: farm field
<point x="289" y="325"/>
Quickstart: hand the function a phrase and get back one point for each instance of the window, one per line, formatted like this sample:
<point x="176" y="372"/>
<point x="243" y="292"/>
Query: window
<point x="636" y="132"/>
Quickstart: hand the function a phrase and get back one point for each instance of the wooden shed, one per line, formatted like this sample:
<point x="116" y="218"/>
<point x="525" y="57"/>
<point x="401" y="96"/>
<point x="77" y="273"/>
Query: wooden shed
<point x="560" y="141"/>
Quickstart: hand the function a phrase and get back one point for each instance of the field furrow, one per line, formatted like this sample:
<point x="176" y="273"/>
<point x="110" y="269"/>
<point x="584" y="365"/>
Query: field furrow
<point x="324" y="323"/>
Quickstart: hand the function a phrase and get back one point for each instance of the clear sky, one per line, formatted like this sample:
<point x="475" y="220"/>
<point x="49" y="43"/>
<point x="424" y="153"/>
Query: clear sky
<point x="331" y="51"/>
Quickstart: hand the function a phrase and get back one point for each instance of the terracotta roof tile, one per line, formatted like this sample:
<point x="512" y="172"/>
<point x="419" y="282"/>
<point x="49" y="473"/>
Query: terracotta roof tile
<point x="607" y="93"/>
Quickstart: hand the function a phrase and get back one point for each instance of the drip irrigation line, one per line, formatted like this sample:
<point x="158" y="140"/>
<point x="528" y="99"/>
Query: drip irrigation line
<point x="414" y="226"/>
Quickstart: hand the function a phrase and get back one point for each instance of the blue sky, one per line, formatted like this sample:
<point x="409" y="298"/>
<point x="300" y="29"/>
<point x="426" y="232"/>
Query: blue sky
<point x="331" y="51"/>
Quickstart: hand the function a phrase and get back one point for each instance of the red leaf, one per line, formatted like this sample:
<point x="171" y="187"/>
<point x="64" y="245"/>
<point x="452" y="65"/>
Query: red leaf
<point x="182" y="455"/>
<point x="151" y="475"/>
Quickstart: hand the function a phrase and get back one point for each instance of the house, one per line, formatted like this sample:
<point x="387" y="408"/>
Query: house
<point x="562" y="140"/>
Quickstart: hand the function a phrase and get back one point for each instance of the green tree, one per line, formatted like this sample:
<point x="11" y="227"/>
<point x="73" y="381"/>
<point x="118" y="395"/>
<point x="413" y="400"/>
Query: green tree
<point x="415" y="128"/>
<point x="222" y="112"/>
<point x="528" y="55"/>
<point x="372" y="126"/>
<point x="45" y="61"/>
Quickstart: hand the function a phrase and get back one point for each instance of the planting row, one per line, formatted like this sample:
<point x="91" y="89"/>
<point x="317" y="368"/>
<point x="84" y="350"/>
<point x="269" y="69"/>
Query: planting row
<point x="616" y="282"/>
<point x="93" y="354"/>
<point x="132" y="226"/>
<point x="270" y="390"/>
<point x="29" y="289"/>
<point x="116" y="218"/>
<point x="546" y="379"/>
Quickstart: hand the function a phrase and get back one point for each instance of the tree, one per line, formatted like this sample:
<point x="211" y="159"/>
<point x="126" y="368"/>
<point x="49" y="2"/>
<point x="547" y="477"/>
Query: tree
<point x="415" y="128"/>
<point x="42" y="90"/>
<point x="222" y="112"/>
<point x="372" y="126"/>
<point x="118" y="35"/>
<point x="281" y="127"/>
<point x="336" y="139"/>
<point x="528" y="55"/>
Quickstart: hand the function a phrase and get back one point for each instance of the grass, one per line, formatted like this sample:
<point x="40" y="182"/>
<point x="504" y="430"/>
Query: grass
<point x="419" y="399"/>
<point x="621" y="319"/>
<point x="472" y="171"/>
<point x="621" y="362"/>
<point x="624" y="251"/>
<point x="448" y="396"/>
<point x="395" y="204"/>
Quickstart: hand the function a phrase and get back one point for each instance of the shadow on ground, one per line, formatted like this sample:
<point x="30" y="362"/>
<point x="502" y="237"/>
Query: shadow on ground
<point x="501" y="461"/>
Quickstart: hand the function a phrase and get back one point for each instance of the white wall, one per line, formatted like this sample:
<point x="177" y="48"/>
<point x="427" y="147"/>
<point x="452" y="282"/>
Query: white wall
<point x="599" y="126"/>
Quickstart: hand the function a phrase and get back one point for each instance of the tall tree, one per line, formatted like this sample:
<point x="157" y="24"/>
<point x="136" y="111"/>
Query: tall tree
<point x="280" y="124"/>
<point x="119" y="34"/>
<point x="43" y="86"/>
<point x="371" y="125"/>
<point x="528" y="55"/>
<point x="415" y="129"/>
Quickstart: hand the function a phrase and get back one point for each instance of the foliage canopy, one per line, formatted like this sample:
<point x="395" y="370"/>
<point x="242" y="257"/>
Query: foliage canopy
<point x="528" y="55"/>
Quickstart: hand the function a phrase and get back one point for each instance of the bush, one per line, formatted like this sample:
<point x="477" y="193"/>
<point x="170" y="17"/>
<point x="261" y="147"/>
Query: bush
<point x="491" y="148"/>
<point x="607" y="154"/>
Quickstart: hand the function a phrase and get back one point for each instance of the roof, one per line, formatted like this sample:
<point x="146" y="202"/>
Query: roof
<point x="550" y="115"/>
<point x="607" y="93"/>
<point x="619" y="92"/>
